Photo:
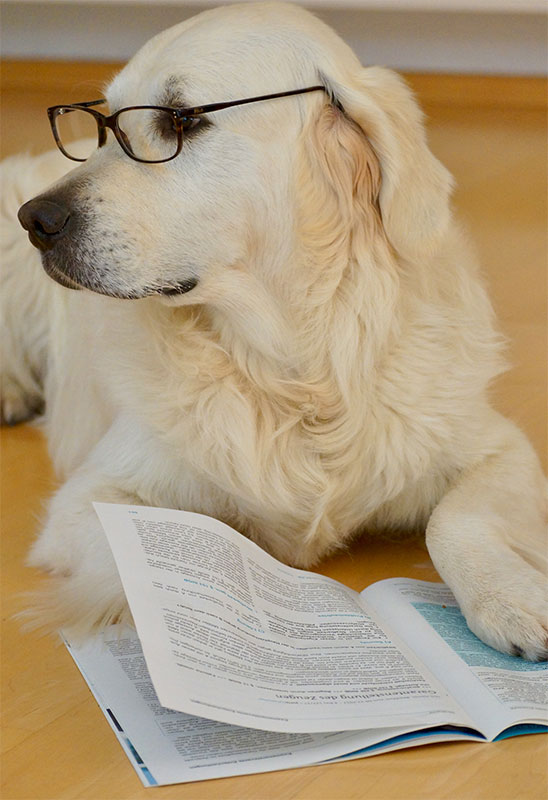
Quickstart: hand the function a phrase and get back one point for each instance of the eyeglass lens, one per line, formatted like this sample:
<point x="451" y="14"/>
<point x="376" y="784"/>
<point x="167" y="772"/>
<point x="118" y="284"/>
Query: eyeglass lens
<point x="148" y="134"/>
<point x="77" y="132"/>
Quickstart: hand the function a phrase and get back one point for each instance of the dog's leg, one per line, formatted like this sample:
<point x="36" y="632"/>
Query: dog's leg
<point x="23" y="325"/>
<point x="488" y="540"/>
<point x="27" y="296"/>
<point x="129" y="465"/>
<point x="86" y="593"/>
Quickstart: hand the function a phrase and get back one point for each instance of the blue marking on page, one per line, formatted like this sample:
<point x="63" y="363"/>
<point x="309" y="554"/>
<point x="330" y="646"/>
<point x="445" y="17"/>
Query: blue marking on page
<point x="450" y="624"/>
<point x="138" y="760"/>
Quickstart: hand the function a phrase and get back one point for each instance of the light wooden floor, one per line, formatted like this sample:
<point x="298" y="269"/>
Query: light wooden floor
<point x="56" y="744"/>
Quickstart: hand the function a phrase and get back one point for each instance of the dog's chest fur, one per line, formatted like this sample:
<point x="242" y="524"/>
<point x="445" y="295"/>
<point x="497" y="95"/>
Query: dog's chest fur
<point x="292" y="463"/>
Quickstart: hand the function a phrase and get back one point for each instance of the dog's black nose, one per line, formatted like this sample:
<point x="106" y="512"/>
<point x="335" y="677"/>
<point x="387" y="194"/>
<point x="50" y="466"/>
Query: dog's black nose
<point x="45" y="220"/>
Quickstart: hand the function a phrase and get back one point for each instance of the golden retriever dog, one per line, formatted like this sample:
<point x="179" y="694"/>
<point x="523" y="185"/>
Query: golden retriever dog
<point x="280" y="324"/>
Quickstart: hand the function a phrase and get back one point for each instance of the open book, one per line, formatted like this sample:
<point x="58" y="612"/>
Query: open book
<point x="248" y="665"/>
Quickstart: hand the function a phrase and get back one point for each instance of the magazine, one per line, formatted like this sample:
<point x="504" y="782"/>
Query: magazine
<point x="242" y="664"/>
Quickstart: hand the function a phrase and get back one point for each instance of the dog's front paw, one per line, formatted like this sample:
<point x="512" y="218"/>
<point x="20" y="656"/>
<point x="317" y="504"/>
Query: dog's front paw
<point x="514" y="618"/>
<point x="82" y="605"/>
<point x="56" y="551"/>
<point x="84" y="593"/>
<point x="18" y="404"/>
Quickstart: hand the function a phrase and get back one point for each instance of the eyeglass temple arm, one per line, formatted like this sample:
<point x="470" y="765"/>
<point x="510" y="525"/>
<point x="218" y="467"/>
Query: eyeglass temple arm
<point x="215" y="106"/>
<point x="219" y="106"/>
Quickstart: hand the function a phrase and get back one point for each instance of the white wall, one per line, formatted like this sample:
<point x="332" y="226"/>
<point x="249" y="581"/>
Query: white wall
<point x="468" y="36"/>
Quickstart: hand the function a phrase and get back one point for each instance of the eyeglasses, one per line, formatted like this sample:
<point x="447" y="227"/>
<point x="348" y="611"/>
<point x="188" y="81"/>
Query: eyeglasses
<point x="149" y="134"/>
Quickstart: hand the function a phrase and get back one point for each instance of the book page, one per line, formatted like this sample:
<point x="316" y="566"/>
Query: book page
<point x="166" y="746"/>
<point x="231" y="634"/>
<point x="495" y="689"/>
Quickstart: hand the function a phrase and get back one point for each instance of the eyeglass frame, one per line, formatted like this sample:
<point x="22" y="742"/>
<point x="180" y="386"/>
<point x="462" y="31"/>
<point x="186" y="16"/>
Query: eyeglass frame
<point x="179" y="115"/>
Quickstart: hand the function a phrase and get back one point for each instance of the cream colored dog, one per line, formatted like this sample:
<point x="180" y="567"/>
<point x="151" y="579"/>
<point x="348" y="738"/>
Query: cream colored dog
<point x="321" y="367"/>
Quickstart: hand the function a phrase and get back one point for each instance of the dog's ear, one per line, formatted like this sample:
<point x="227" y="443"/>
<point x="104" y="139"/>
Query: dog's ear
<point x="414" y="188"/>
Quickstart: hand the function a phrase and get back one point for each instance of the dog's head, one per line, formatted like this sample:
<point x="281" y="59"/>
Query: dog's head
<point x="227" y="209"/>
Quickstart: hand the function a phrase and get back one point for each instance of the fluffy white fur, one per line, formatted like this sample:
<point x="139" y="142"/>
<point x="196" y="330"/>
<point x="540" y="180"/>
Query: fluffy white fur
<point x="328" y="373"/>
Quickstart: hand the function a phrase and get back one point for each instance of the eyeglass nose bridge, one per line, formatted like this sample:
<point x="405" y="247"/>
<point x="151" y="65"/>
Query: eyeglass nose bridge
<point x="111" y="122"/>
<point x="104" y="122"/>
<point x="102" y="125"/>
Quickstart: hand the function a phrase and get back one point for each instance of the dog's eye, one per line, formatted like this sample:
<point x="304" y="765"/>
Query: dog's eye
<point x="190" y="122"/>
<point x="167" y="128"/>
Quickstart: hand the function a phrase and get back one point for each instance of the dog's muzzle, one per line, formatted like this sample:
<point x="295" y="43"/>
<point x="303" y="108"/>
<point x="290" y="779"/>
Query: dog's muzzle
<point x="49" y="222"/>
<point x="45" y="221"/>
